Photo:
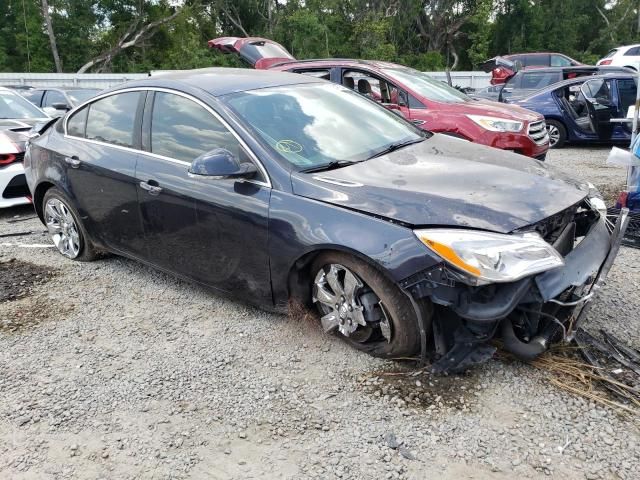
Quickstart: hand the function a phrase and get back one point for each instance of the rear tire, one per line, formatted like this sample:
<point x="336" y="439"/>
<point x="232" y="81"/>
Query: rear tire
<point x="557" y="134"/>
<point x="397" y="335"/>
<point x="65" y="228"/>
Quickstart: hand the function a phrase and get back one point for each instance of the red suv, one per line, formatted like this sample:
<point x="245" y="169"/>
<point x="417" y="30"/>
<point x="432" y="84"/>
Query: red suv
<point x="428" y="103"/>
<point x="501" y="71"/>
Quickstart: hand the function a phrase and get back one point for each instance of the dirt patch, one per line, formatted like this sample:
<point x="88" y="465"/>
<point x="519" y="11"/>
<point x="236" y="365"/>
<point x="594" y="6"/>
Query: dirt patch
<point x="419" y="388"/>
<point x="30" y="311"/>
<point x="18" y="278"/>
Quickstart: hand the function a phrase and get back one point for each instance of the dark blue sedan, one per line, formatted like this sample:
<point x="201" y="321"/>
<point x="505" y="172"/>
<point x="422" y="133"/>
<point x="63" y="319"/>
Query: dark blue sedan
<point x="284" y="189"/>
<point x="580" y="110"/>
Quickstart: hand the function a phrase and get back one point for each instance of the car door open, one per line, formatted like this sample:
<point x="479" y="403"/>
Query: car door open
<point x="600" y="105"/>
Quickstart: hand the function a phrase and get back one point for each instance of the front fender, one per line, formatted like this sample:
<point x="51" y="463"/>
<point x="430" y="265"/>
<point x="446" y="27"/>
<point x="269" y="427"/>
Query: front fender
<point x="299" y="226"/>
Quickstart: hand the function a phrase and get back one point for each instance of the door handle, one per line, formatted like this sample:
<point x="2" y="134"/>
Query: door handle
<point x="152" y="189"/>
<point x="73" y="161"/>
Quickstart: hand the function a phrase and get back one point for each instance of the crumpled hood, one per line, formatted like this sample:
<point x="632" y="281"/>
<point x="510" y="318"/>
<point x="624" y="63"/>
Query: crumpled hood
<point x="447" y="182"/>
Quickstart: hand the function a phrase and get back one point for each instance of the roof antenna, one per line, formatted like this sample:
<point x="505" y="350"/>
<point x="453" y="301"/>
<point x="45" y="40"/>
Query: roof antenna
<point x="26" y="30"/>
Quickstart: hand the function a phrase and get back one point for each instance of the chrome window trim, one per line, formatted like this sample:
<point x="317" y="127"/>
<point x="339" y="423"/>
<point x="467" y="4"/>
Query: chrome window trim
<point x="215" y="114"/>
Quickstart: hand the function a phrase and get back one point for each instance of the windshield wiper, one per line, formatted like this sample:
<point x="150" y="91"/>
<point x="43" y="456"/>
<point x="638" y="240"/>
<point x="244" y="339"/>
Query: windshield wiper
<point x="329" y="166"/>
<point x="395" y="146"/>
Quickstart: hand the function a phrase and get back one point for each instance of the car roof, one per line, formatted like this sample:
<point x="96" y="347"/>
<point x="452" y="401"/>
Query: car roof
<point x="532" y="53"/>
<point x="584" y="78"/>
<point x="221" y="81"/>
<point x="575" y="68"/>
<point x="66" y="89"/>
<point x="349" y="62"/>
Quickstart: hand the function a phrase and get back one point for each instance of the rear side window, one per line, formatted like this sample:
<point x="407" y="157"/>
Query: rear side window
<point x="184" y="130"/>
<point x="53" y="96"/>
<point x="632" y="52"/>
<point x="536" y="60"/>
<point x="324" y="74"/>
<point x="611" y="53"/>
<point x="34" y="96"/>
<point x="111" y="119"/>
<point x="560" y="61"/>
<point x="77" y="123"/>
<point x="538" y="80"/>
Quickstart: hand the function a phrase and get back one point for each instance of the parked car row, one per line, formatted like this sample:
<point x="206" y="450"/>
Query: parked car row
<point x="17" y="118"/>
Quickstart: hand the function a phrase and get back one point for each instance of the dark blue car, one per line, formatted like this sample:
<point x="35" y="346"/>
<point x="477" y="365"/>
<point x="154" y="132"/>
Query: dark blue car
<point x="580" y="110"/>
<point x="284" y="189"/>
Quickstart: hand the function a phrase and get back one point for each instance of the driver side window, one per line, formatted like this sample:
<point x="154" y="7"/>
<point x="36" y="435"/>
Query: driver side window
<point x="183" y="129"/>
<point x="599" y="90"/>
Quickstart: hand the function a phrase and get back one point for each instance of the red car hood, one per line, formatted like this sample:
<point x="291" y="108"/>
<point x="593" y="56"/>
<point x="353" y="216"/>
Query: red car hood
<point x="493" y="109"/>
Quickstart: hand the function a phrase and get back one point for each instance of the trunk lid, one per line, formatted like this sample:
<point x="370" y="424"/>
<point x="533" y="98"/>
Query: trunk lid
<point x="260" y="53"/>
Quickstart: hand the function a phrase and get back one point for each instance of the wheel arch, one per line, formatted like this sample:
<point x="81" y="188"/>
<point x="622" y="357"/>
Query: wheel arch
<point x="300" y="274"/>
<point x="38" y="195"/>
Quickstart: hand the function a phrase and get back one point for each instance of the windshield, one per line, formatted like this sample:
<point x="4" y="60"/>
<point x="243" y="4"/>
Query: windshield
<point x="79" y="96"/>
<point x="316" y="124"/>
<point x="13" y="105"/>
<point x="427" y="86"/>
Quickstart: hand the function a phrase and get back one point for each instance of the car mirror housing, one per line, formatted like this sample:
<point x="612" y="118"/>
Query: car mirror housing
<point x="60" y="106"/>
<point x="219" y="164"/>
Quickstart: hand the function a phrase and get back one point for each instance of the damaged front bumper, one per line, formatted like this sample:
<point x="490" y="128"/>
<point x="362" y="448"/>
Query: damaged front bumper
<point x="528" y="315"/>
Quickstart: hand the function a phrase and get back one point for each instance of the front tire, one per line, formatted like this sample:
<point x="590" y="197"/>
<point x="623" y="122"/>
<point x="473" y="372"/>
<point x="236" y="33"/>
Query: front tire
<point x="557" y="134"/>
<point x="365" y="308"/>
<point x="65" y="228"/>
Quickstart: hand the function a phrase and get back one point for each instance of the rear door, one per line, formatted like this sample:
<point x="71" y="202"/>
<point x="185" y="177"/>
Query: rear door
<point x="34" y="96"/>
<point x="100" y="159"/>
<point x="214" y="231"/>
<point x="260" y="53"/>
<point x="601" y="106"/>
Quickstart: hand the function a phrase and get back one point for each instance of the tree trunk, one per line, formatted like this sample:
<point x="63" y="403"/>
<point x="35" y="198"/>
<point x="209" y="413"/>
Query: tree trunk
<point x="52" y="36"/>
<point x="129" y="39"/>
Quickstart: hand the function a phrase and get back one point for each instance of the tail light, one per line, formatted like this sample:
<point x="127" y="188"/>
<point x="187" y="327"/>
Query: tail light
<point x="605" y="62"/>
<point x="7" y="158"/>
<point x="622" y="200"/>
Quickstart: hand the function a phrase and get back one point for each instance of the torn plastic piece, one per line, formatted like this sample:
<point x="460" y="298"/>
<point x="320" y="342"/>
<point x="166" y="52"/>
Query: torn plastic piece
<point x="622" y="157"/>
<point x="462" y="357"/>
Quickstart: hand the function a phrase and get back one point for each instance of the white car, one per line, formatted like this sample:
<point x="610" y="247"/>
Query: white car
<point x="17" y="118"/>
<point x="627" y="56"/>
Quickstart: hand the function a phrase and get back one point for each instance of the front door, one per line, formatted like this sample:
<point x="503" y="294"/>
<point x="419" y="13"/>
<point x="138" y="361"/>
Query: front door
<point x="214" y="231"/>
<point x="600" y="105"/>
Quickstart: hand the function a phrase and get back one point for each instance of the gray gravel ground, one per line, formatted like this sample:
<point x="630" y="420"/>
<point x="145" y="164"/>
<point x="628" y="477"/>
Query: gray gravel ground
<point x="113" y="370"/>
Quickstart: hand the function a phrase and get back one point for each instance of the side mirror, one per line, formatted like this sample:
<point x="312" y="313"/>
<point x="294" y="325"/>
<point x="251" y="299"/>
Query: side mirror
<point x="61" y="106"/>
<point x="219" y="164"/>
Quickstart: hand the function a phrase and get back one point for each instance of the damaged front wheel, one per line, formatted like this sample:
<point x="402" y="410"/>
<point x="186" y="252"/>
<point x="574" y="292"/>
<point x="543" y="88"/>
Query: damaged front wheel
<point x="365" y="308"/>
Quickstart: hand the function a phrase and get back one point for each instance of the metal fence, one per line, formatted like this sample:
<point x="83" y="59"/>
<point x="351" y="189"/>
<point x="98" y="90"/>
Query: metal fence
<point x="105" y="80"/>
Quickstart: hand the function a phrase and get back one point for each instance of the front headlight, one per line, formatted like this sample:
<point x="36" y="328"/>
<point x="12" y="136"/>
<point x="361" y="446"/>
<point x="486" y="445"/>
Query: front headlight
<point x="491" y="257"/>
<point x="497" y="124"/>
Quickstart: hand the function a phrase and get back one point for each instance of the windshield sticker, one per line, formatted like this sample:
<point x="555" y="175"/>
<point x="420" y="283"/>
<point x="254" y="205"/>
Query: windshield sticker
<point x="288" y="146"/>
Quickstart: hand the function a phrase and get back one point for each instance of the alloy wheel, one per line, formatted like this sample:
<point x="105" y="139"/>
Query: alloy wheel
<point x="62" y="227"/>
<point x="339" y="293"/>
<point x="554" y="135"/>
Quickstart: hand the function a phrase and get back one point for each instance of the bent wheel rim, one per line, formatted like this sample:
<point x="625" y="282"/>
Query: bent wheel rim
<point x="62" y="228"/>
<point x="554" y="135"/>
<point x="337" y="292"/>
